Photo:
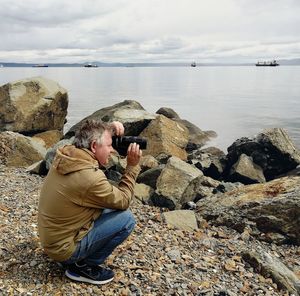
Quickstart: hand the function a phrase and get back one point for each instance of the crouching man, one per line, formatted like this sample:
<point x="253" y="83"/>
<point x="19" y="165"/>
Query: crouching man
<point x="82" y="218"/>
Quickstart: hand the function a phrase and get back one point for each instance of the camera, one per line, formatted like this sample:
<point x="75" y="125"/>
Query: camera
<point x="121" y="143"/>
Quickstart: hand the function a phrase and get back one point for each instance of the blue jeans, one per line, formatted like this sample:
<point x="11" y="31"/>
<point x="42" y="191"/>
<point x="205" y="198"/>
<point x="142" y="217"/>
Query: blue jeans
<point x="109" y="231"/>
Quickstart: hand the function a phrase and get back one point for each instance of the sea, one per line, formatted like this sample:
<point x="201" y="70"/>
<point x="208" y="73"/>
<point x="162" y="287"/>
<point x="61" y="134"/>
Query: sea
<point x="233" y="101"/>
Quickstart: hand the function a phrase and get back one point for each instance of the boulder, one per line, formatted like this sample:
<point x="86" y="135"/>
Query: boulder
<point x="172" y="182"/>
<point x="20" y="151"/>
<point x="272" y="150"/>
<point x="246" y="172"/>
<point x="270" y="266"/>
<point x="50" y="138"/>
<point x="52" y="151"/>
<point x="32" y="105"/>
<point x="182" y="219"/>
<point x="166" y="136"/>
<point x="168" y="112"/>
<point x="131" y="113"/>
<point x="271" y="209"/>
<point x="197" y="137"/>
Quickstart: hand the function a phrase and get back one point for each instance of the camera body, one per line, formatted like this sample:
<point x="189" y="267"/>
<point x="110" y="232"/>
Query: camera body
<point x="121" y="144"/>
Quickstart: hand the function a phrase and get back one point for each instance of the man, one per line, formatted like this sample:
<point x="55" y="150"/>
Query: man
<point x="82" y="218"/>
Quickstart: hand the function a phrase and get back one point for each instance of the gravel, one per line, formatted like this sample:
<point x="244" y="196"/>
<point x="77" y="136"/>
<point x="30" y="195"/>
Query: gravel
<point x="157" y="259"/>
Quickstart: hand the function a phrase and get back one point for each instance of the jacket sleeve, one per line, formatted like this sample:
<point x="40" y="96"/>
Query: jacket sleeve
<point x="101" y="194"/>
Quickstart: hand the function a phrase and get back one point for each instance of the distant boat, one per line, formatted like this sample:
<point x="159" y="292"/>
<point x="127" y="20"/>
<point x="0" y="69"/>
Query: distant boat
<point x="267" y="64"/>
<point x="40" y="65"/>
<point x="193" y="64"/>
<point x="91" y="66"/>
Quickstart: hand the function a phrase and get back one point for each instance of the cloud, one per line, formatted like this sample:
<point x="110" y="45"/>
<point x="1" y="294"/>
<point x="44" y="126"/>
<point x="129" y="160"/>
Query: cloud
<point x="148" y="30"/>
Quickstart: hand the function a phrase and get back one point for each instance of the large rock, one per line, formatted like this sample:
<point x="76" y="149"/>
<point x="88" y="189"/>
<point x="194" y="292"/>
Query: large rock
<point x="172" y="182"/>
<point x="166" y="136"/>
<point x="32" y="105"/>
<point x="131" y="113"/>
<point x="20" y="151"/>
<point x="272" y="209"/>
<point x="197" y="137"/>
<point x="272" y="150"/>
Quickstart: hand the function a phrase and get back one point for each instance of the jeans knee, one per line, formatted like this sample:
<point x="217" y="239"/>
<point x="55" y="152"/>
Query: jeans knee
<point x="130" y="220"/>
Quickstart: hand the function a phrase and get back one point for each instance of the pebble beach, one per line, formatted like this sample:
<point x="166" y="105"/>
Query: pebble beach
<point x="157" y="259"/>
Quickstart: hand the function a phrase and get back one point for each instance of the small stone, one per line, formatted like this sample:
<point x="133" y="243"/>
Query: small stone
<point x="174" y="255"/>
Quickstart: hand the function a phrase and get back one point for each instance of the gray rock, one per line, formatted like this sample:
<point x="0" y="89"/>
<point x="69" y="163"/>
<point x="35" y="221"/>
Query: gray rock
<point x="210" y="161"/>
<point x="246" y="172"/>
<point x="168" y="112"/>
<point x="172" y="182"/>
<point x="131" y="113"/>
<point x="150" y="176"/>
<point x="270" y="209"/>
<point x="52" y="151"/>
<point x="270" y="266"/>
<point x="182" y="219"/>
<point x="272" y="150"/>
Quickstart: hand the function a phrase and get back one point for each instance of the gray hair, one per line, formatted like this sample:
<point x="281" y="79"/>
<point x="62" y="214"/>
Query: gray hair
<point x="89" y="131"/>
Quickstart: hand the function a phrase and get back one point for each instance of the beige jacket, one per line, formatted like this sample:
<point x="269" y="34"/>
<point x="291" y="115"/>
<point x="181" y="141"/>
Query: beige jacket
<point x="73" y="195"/>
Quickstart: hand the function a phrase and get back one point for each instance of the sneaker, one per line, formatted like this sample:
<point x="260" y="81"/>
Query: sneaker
<point x="89" y="274"/>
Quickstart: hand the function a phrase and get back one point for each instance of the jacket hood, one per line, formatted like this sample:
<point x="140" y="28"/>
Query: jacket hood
<point x="70" y="159"/>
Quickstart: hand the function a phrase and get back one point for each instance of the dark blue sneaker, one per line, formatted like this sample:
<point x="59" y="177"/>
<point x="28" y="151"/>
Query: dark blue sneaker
<point x="82" y="272"/>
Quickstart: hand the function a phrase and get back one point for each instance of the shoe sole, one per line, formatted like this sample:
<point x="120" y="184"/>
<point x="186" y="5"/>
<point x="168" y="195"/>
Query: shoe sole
<point x="79" y="278"/>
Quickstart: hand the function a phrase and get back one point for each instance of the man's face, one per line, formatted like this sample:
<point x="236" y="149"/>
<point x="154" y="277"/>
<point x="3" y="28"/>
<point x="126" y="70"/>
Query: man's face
<point x="103" y="150"/>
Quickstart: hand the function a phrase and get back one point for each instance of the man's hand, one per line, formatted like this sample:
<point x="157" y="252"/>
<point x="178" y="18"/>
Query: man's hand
<point x="134" y="154"/>
<point x="118" y="128"/>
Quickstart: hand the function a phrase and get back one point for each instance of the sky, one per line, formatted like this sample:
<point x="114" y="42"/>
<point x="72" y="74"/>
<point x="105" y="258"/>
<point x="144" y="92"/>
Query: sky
<point x="204" y="31"/>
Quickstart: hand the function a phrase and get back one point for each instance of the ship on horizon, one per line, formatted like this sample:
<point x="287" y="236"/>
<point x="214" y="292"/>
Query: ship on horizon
<point x="40" y="65"/>
<point x="89" y="65"/>
<point x="273" y="63"/>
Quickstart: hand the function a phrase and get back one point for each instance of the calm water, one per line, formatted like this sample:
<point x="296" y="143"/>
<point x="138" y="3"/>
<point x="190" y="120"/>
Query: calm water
<point x="233" y="101"/>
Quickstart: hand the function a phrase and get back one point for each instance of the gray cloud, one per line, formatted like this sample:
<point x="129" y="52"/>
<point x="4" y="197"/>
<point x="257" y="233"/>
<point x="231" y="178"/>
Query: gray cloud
<point x="149" y="31"/>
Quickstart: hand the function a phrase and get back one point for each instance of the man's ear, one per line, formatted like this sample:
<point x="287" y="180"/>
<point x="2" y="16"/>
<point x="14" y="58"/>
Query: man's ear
<point x="93" y="146"/>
